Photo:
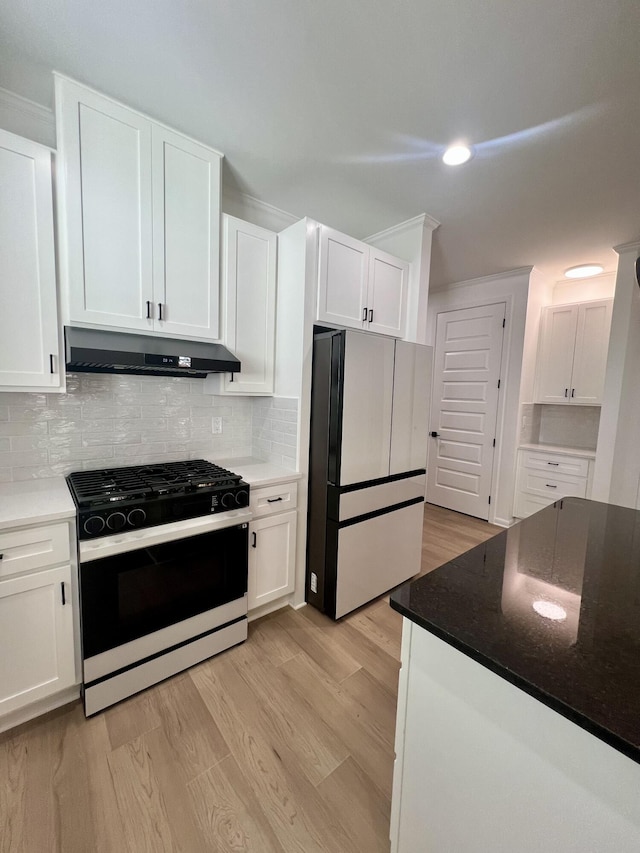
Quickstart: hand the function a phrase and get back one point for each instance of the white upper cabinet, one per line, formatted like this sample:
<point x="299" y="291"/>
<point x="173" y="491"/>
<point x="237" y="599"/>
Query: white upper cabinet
<point x="249" y="297"/>
<point x="29" y="341"/>
<point x="140" y="211"/>
<point x="186" y="229"/>
<point x="359" y="286"/>
<point x="572" y="353"/>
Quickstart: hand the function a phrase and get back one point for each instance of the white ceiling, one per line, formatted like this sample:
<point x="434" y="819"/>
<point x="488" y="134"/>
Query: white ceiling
<point x="339" y="109"/>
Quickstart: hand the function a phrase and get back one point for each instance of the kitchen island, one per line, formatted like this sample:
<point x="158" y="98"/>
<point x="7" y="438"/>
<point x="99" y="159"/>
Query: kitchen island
<point x="518" y="723"/>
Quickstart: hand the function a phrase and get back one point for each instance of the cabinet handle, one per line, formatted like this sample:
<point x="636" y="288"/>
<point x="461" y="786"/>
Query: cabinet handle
<point x="64" y="597"/>
<point x="51" y="363"/>
<point x="273" y="500"/>
<point x="573" y="392"/>
<point x="148" y="309"/>
<point x="434" y="434"/>
<point x="255" y="540"/>
<point x="553" y="463"/>
<point x="549" y="486"/>
<point x="1" y="556"/>
<point x="371" y="315"/>
<point x="364" y="316"/>
<point x="566" y="392"/>
<point x="160" y="317"/>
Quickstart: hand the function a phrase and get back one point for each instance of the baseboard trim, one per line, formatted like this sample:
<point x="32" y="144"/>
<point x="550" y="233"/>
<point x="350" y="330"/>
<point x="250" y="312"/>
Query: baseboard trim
<point x="37" y="709"/>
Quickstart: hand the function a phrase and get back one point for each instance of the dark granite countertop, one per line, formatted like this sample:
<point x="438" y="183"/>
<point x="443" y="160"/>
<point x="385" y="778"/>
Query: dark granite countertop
<point x="577" y="559"/>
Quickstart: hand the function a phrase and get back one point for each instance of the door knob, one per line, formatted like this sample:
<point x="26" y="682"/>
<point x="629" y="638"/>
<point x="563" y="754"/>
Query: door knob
<point x="434" y="434"/>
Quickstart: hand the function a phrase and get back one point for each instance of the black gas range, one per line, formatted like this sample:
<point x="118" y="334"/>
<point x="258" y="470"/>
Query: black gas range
<point x="163" y="562"/>
<point x="121" y="499"/>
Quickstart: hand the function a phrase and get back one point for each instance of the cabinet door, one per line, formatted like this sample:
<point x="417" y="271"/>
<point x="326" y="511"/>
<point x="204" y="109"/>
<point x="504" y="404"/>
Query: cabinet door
<point x="106" y="151"/>
<point x="249" y="295"/>
<point x="36" y="636"/>
<point x="590" y="357"/>
<point x="272" y="547"/>
<point x="386" y="294"/>
<point x="555" y="353"/>
<point x="186" y="242"/>
<point x="342" y="279"/>
<point x="29" y="352"/>
<point x="366" y="408"/>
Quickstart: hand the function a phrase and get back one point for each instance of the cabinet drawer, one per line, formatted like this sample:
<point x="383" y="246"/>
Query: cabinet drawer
<point x="553" y="487"/>
<point x="526" y="505"/>
<point x="33" y="548"/>
<point x="554" y="463"/>
<point x="269" y="499"/>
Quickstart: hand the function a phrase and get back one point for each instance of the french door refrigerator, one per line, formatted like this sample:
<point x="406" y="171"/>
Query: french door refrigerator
<point x="368" y="448"/>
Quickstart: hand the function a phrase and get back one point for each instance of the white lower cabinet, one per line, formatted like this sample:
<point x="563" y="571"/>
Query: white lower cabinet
<point x="272" y="544"/>
<point x="36" y="637"/>
<point x="543" y="477"/>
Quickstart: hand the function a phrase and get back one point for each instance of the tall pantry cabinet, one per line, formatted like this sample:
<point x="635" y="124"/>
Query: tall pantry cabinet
<point x="140" y="209"/>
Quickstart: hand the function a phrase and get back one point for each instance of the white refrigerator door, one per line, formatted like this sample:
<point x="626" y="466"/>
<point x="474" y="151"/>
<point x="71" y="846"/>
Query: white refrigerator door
<point x="411" y="397"/>
<point x="366" y="413"/>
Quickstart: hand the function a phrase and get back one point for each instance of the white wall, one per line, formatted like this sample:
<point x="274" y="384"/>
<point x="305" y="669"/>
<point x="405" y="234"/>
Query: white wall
<point x="617" y="472"/>
<point x="583" y="289"/>
<point x="513" y="289"/>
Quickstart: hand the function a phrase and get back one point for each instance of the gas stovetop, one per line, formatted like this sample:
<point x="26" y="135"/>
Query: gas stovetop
<point x="115" y="499"/>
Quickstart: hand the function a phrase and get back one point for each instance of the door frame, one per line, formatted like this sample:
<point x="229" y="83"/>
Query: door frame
<point x="512" y="288"/>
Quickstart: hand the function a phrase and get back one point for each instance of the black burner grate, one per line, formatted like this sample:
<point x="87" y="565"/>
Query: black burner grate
<point x="144" y="482"/>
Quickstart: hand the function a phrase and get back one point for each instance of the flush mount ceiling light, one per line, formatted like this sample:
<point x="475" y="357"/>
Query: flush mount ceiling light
<point x="457" y="154"/>
<point x="583" y="271"/>
<point x="549" y="610"/>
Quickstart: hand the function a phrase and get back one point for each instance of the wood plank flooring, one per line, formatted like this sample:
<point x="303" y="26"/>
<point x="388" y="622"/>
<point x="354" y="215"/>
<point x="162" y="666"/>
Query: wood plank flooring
<point x="284" y="743"/>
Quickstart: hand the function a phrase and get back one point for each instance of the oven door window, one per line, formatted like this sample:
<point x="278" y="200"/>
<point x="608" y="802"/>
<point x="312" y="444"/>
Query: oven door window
<point x="138" y="592"/>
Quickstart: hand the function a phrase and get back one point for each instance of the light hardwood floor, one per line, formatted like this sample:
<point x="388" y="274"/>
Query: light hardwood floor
<point x="284" y="743"/>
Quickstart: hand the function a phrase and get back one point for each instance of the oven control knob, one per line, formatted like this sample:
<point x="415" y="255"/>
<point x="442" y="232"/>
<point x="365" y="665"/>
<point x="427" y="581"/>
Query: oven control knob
<point x="242" y="497"/>
<point x="94" y="525"/>
<point x="116" y="521"/>
<point x="228" y="500"/>
<point x="137" y="517"/>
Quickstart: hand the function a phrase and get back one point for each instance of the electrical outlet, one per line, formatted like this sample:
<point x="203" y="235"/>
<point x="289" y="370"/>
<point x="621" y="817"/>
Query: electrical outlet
<point x="314" y="582"/>
<point x="216" y="426"/>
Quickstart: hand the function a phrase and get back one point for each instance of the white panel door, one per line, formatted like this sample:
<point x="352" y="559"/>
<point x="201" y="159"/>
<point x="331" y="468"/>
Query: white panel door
<point x="464" y="408"/>
<point x="272" y="546"/>
<point x="555" y="354"/>
<point x="342" y="279"/>
<point x="249" y="285"/>
<point x="386" y="294"/>
<point x="590" y="356"/>
<point x="186" y="241"/>
<point x="366" y="411"/>
<point x="107" y="189"/>
<point x="36" y="636"/>
<point x="410" y="415"/>
<point x="28" y="316"/>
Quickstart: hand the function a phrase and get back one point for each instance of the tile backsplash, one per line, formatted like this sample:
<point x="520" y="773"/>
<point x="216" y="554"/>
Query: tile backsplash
<point x="110" y="421"/>
<point x="567" y="426"/>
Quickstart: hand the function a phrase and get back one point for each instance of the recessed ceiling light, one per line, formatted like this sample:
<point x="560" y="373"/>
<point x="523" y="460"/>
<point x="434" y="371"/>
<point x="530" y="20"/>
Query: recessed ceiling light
<point x="549" y="610"/>
<point x="456" y="155"/>
<point x="583" y="271"/>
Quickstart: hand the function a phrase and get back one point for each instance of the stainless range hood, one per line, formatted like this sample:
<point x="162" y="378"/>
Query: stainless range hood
<point x="99" y="351"/>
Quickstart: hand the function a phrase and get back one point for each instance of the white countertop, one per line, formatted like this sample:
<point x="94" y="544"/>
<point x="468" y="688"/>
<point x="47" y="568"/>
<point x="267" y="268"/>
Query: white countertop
<point x="256" y="472"/>
<point x="554" y="448"/>
<point x="35" y="502"/>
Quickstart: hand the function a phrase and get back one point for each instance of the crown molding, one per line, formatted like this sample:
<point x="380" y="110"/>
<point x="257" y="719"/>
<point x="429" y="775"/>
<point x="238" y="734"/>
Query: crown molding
<point x="634" y="246"/>
<point x="279" y="217"/>
<point x="470" y="282"/>
<point x="17" y="104"/>
<point x="423" y="219"/>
